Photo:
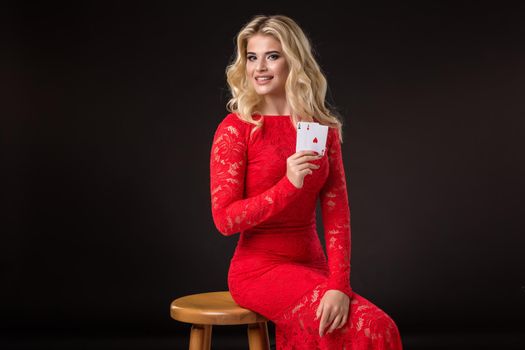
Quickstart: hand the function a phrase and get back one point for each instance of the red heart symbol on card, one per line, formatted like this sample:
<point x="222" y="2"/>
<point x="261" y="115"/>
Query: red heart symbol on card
<point x="315" y="140"/>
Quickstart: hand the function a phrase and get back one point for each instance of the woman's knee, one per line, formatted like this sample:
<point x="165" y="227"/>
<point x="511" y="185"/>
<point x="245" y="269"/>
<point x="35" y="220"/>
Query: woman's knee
<point x="382" y="321"/>
<point x="368" y="316"/>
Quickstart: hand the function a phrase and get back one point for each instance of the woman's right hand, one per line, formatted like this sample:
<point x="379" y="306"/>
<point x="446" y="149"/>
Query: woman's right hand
<point x="297" y="166"/>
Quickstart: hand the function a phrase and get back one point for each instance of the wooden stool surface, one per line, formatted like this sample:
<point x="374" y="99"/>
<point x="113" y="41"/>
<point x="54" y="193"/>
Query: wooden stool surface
<point x="213" y="308"/>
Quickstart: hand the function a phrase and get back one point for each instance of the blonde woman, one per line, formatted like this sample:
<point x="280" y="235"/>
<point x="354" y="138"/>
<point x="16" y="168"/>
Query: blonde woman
<point x="265" y="191"/>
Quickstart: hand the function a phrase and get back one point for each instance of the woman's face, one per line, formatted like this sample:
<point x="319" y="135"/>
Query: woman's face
<point x="266" y="66"/>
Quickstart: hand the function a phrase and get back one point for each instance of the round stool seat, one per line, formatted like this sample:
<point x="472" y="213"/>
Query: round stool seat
<point x="213" y="308"/>
<point x="205" y="310"/>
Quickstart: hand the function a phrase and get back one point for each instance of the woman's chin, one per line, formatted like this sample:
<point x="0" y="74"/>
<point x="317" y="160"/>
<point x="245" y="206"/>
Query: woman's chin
<point x="260" y="91"/>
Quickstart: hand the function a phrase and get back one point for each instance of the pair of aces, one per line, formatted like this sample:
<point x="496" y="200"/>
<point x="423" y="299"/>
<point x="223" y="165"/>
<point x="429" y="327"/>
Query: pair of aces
<point x="311" y="137"/>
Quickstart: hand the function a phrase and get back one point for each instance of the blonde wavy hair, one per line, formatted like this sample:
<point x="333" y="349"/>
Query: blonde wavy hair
<point x="305" y="86"/>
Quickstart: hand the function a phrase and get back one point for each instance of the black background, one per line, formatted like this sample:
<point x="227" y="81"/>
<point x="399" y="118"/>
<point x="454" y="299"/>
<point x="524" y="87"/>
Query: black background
<point x="108" y="114"/>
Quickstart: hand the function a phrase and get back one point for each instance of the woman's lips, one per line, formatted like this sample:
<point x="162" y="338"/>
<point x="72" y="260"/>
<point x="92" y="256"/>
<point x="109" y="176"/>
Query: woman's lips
<point x="263" y="80"/>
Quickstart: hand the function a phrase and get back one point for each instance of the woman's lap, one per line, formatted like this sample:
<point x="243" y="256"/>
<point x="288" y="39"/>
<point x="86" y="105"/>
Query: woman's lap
<point x="289" y="293"/>
<point x="270" y="291"/>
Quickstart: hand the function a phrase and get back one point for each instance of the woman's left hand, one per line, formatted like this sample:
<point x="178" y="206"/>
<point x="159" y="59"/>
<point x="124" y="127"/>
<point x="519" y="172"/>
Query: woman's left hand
<point x="333" y="309"/>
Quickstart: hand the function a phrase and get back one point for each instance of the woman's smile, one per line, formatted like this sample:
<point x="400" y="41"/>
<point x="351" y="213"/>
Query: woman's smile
<point x="263" y="79"/>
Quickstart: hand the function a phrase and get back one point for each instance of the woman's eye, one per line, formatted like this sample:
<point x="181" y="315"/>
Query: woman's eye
<point x="273" y="57"/>
<point x="250" y="58"/>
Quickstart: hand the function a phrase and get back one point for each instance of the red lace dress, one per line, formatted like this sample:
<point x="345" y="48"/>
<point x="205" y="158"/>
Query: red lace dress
<point x="279" y="268"/>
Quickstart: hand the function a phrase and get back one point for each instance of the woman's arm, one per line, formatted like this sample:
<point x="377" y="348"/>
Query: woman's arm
<point x="336" y="218"/>
<point x="231" y="212"/>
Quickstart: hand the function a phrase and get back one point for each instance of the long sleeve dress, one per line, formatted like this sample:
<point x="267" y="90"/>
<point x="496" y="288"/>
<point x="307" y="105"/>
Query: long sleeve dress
<point x="279" y="268"/>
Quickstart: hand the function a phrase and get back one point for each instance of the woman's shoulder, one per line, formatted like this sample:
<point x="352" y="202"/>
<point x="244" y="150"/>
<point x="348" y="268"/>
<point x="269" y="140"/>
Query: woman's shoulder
<point x="233" y="118"/>
<point x="234" y="125"/>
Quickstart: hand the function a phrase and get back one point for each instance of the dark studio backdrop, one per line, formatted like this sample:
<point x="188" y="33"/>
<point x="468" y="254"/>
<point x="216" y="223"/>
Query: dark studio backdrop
<point x="108" y="114"/>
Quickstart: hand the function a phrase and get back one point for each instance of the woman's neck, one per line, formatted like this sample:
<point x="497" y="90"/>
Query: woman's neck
<point x="275" y="106"/>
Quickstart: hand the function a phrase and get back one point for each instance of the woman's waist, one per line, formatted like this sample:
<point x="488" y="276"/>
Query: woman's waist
<point x="295" y="245"/>
<point x="276" y="227"/>
<point x="248" y="261"/>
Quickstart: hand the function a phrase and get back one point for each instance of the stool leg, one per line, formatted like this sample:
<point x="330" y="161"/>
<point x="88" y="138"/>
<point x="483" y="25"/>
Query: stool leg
<point x="258" y="336"/>
<point x="200" y="337"/>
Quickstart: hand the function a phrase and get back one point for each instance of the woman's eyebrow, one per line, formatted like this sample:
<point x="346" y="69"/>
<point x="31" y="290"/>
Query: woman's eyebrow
<point x="266" y="53"/>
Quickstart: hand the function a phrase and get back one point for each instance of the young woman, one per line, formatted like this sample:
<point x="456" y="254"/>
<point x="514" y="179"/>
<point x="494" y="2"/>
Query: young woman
<point x="267" y="192"/>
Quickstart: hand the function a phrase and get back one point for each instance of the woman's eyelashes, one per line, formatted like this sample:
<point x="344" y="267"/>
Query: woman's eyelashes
<point x="271" y="57"/>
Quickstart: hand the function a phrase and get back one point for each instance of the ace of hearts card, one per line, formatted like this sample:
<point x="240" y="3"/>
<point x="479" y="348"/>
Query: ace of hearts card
<point x="311" y="137"/>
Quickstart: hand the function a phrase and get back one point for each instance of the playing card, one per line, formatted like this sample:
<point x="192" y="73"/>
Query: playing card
<point x="317" y="140"/>
<point x="302" y="130"/>
<point x="311" y="137"/>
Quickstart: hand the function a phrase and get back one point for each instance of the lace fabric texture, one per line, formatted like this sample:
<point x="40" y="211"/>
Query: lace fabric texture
<point x="279" y="267"/>
<point x="368" y="327"/>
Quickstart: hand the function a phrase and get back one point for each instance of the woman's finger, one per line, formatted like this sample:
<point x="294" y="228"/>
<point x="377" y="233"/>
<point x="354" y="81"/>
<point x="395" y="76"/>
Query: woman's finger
<point x="306" y="166"/>
<point x="302" y="160"/>
<point x="335" y="323"/>
<point x="326" y="318"/>
<point x="319" y="310"/>
<point x="343" y="320"/>
<point x="307" y="158"/>
<point x="302" y="154"/>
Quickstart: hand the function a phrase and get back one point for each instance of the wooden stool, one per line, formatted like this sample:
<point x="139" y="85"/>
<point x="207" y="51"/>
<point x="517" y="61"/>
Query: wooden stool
<point x="218" y="308"/>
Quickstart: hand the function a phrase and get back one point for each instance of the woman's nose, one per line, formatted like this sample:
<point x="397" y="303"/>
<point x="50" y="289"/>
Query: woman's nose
<point x="261" y="66"/>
